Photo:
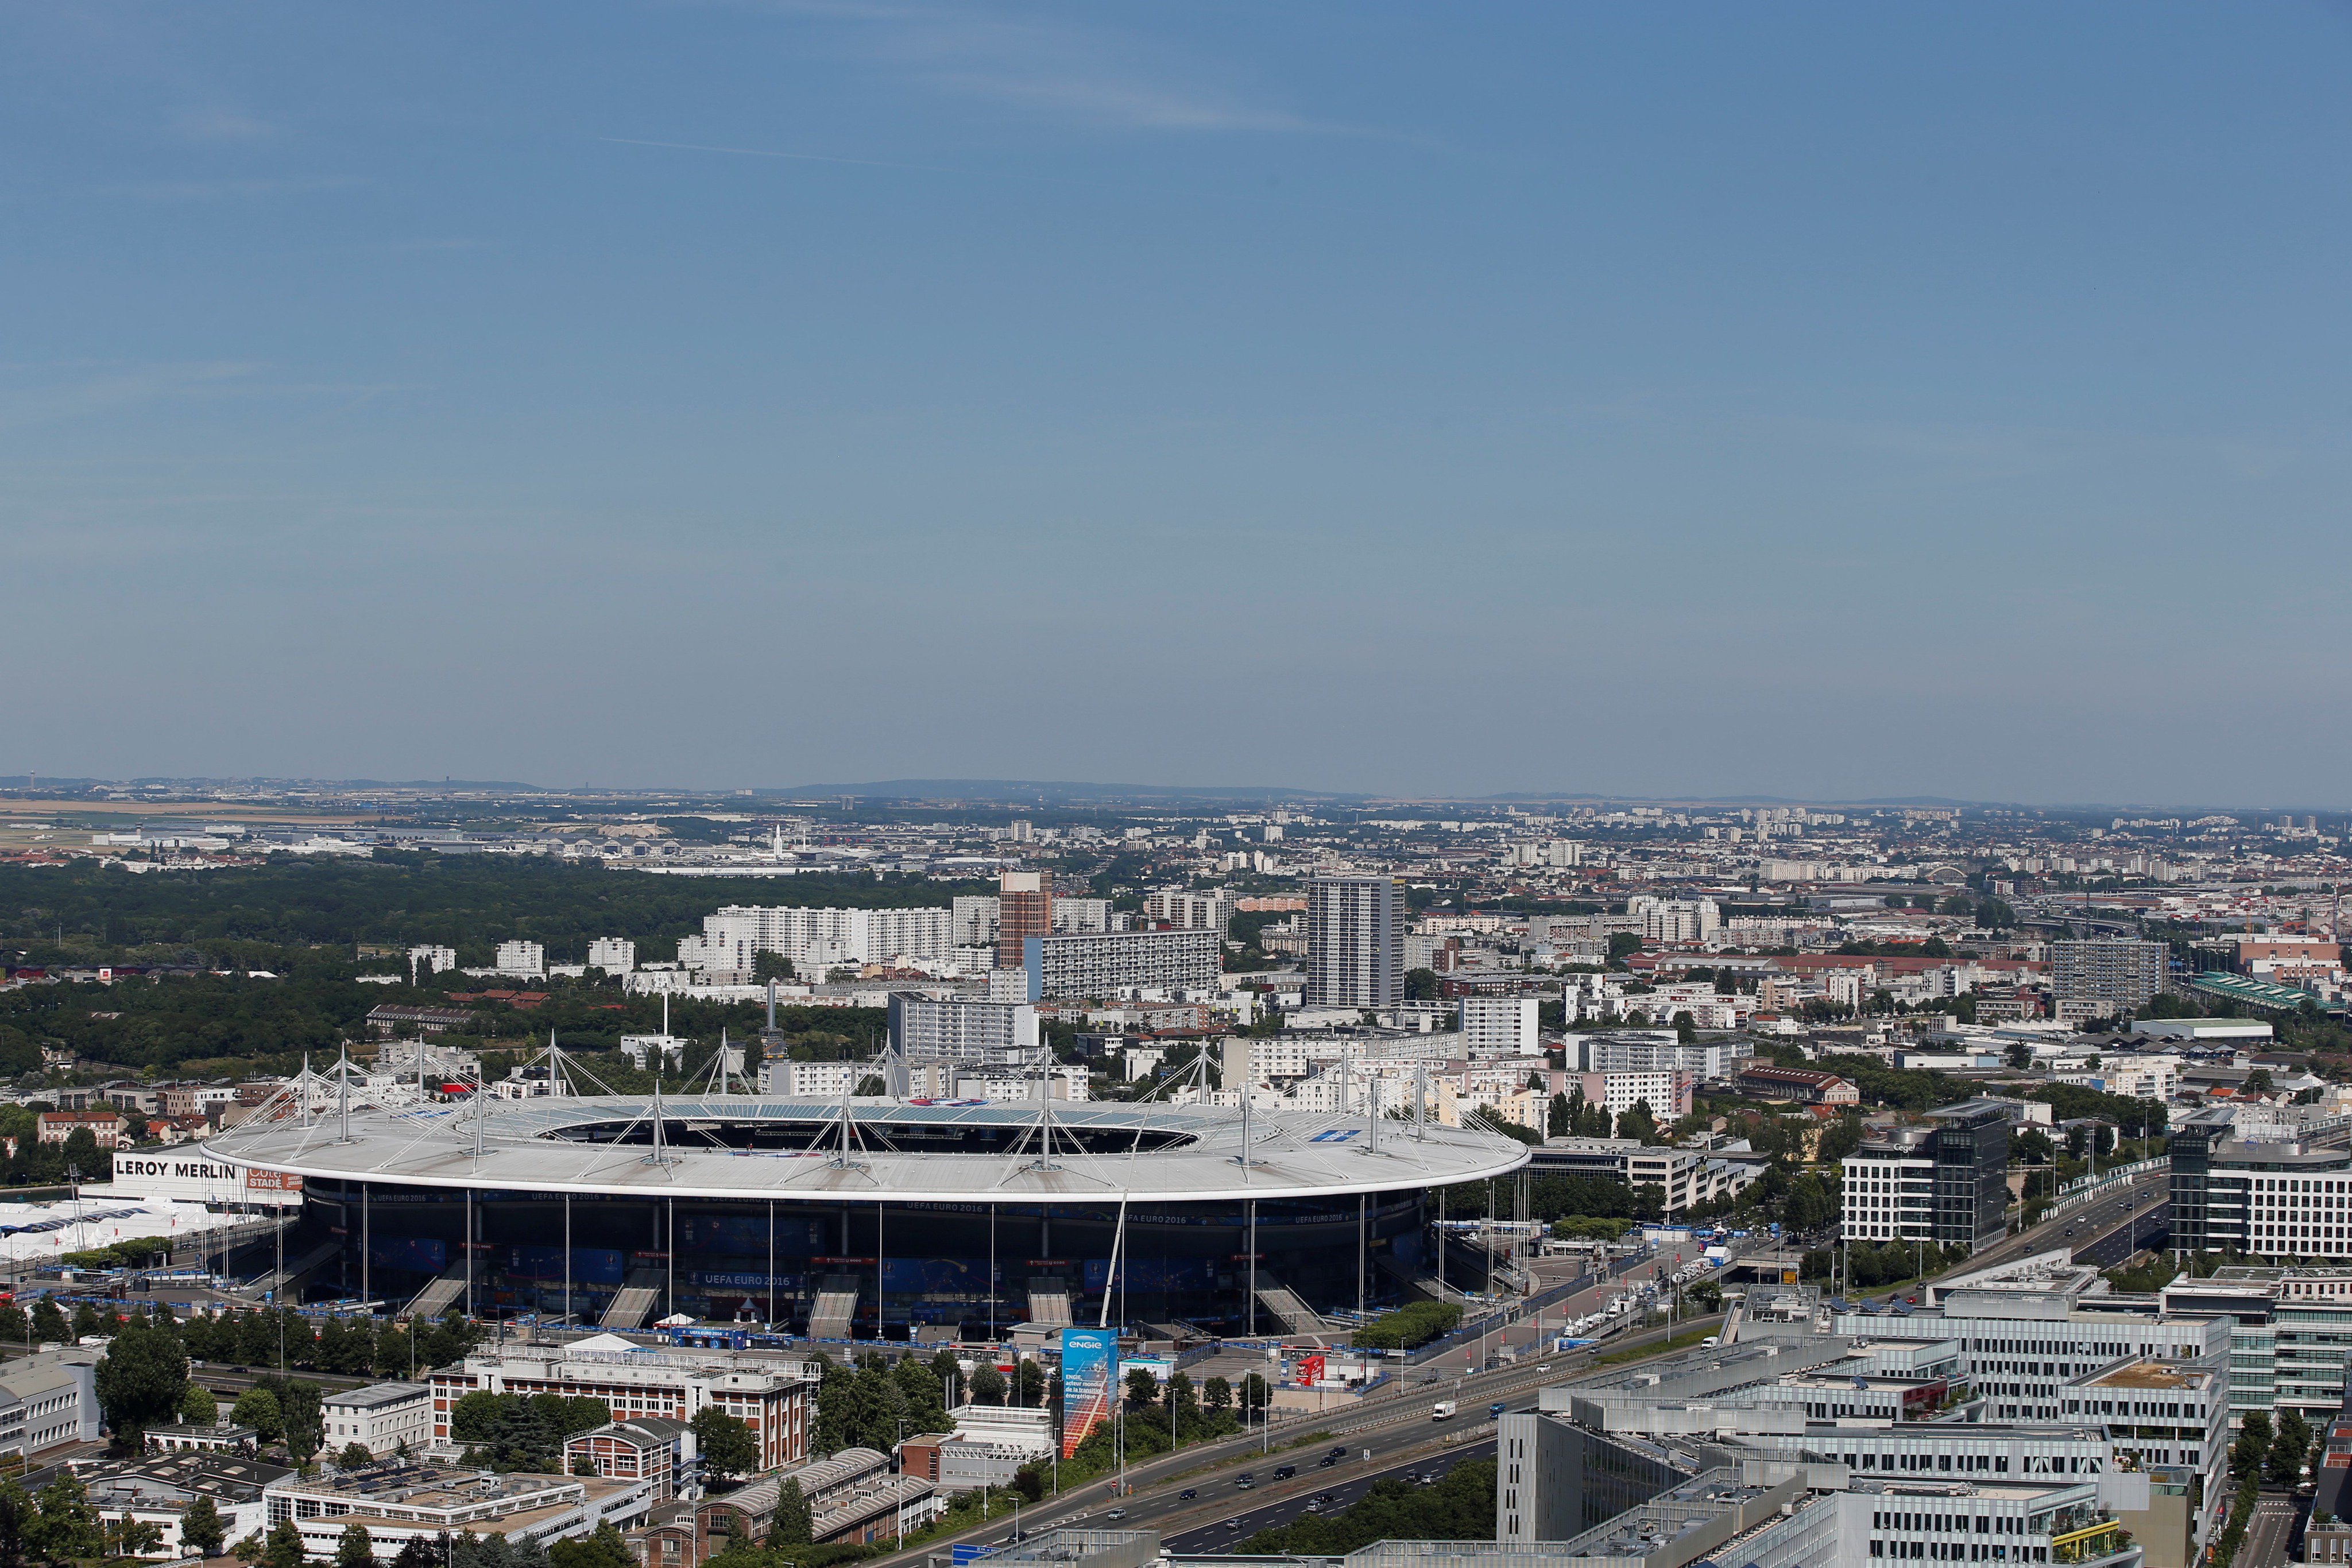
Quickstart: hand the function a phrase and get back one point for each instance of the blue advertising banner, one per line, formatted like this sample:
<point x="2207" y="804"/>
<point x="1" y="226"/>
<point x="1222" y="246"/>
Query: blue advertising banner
<point x="1086" y="1356"/>
<point x="1152" y="1273"/>
<point x="590" y="1265"/>
<point x="419" y="1254"/>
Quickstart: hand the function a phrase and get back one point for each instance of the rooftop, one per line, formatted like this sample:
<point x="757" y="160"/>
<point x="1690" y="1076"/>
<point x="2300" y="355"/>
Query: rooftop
<point x="750" y="1146"/>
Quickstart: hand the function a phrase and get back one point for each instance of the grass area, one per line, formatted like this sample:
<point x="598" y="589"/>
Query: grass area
<point x="1664" y="1347"/>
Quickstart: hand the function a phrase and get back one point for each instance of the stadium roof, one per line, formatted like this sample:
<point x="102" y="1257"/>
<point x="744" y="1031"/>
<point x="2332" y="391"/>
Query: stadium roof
<point x="753" y="1147"/>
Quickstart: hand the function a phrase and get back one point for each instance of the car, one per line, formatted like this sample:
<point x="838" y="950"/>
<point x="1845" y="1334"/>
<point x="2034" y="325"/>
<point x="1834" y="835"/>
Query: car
<point x="1232" y="1524"/>
<point x="1340" y="1452"/>
<point x="1246" y="1476"/>
<point x="1116" y="1513"/>
<point x="1284" y="1472"/>
<point x="1188" y="1494"/>
<point x="1327" y="1461"/>
<point x="1428" y="1477"/>
<point x="1315" y="1505"/>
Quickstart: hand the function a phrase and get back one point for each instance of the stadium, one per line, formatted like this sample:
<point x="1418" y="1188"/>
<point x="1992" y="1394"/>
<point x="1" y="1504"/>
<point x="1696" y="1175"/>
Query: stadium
<point x="860" y="1218"/>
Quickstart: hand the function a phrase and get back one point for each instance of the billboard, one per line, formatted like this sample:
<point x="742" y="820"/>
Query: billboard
<point x="1087" y="1357"/>
<point x="197" y="1177"/>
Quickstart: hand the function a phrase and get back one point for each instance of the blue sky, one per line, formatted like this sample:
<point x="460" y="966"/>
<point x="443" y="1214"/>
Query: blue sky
<point x="1813" y="400"/>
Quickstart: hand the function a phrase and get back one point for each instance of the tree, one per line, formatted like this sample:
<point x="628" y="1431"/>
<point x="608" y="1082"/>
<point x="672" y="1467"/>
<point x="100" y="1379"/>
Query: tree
<point x="201" y="1530"/>
<point x="353" y="1549"/>
<point x="1255" y="1395"/>
<point x="606" y="1549"/>
<point x="1557" y="1120"/>
<point x="142" y="1379"/>
<point x="2020" y="1056"/>
<point x="197" y="1405"/>
<point x="987" y="1387"/>
<point x="725" y="1443"/>
<point x="794" y="1523"/>
<point x="353" y="1456"/>
<point x="1217" y="1394"/>
<point x="1028" y="1383"/>
<point x="1421" y="984"/>
<point x="418" y="1552"/>
<point x="257" y="1408"/>
<point x="1639" y="1122"/>
<point x="49" y="1324"/>
<point x="63" y="1524"/>
<point x="2246" y="1455"/>
<point x="1183" y="1406"/>
<point x="1685" y="1027"/>
<point x="2284" y="1464"/>
<point x="283" y="1549"/>
<point x="1142" y="1390"/>
<point x="2258" y="1082"/>
<point x="768" y="967"/>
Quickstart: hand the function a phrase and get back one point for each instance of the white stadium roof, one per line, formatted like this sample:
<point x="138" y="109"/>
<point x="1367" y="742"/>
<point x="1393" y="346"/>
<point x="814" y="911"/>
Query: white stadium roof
<point x="901" y="1151"/>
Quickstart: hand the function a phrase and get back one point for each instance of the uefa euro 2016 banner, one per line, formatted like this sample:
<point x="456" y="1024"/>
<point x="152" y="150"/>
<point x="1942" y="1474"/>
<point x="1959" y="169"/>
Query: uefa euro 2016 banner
<point x="1087" y="1355"/>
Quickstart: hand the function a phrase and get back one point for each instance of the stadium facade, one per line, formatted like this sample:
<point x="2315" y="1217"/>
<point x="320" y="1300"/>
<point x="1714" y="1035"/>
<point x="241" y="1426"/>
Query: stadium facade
<point x="843" y="1220"/>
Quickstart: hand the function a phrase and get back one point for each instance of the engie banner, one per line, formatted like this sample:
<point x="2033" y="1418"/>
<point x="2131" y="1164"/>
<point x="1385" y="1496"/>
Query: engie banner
<point x="1086" y="1358"/>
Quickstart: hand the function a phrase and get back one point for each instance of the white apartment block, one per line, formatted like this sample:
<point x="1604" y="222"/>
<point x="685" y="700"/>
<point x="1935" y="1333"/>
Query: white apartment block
<point x="1666" y="1093"/>
<point x="1657" y="1053"/>
<point x="814" y="1080"/>
<point x="385" y="1418"/>
<point x="523" y="960"/>
<point x="1083" y="916"/>
<point x="1890" y="1195"/>
<point x="1501" y="1026"/>
<point x="1121" y="961"/>
<point x="816" y="939"/>
<point x="975" y="920"/>
<point x="1674" y="919"/>
<point x="431" y="960"/>
<point x="963" y="1029"/>
<point x="614" y="955"/>
<point x="1188" y="911"/>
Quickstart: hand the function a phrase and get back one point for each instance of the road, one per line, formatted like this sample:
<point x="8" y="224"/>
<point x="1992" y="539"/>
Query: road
<point x="1336" y="1487"/>
<point x="1395" y="1424"/>
<point x="2266" y="1537"/>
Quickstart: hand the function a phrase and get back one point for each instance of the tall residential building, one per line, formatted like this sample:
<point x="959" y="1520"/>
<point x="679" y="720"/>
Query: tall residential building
<point x="1188" y="911"/>
<point x="975" y="921"/>
<point x="614" y="955"/>
<point x="1355" y="941"/>
<point x="524" y="960"/>
<point x="1501" y="1026"/>
<point x="1084" y="915"/>
<point x="1946" y="1182"/>
<point x="963" y="1029"/>
<point x="1645" y="1051"/>
<point x="1109" y="964"/>
<point x="1675" y="919"/>
<point x="1024" y="902"/>
<point x="815" y="939"/>
<point x="2123" y="973"/>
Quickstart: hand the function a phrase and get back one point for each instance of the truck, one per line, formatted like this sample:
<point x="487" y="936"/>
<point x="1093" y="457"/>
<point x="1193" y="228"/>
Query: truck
<point x="1444" y="1411"/>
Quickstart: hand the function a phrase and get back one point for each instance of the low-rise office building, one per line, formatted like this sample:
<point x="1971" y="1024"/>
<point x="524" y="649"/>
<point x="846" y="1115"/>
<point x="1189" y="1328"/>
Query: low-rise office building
<point x="385" y="1418"/>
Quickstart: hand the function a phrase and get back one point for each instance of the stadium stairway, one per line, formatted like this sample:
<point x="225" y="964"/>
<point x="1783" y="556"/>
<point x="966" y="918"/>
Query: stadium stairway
<point x="633" y="1302"/>
<point x="1049" y="1303"/>
<point x="834" y="1313"/>
<point x="1289" y="1308"/>
<point x="440" y="1295"/>
<point x="298" y="1269"/>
